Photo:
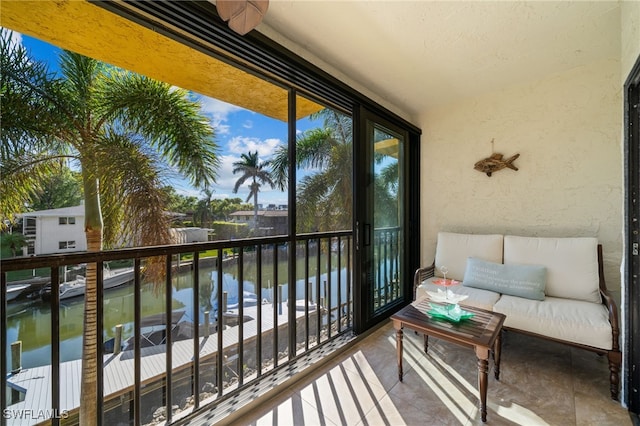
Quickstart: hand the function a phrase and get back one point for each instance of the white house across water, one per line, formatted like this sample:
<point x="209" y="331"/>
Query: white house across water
<point x="54" y="231"/>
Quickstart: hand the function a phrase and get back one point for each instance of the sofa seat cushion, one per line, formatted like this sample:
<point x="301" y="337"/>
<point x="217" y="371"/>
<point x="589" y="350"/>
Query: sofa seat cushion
<point x="570" y="320"/>
<point x="478" y="298"/>
<point x="572" y="264"/>
<point x="453" y="250"/>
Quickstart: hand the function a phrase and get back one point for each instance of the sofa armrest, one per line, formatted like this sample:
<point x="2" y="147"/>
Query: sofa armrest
<point x="609" y="302"/>
<point x="421" y="275"/>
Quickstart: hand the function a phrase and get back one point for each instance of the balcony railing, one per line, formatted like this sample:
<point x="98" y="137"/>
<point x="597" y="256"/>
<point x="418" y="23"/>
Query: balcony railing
<point x="221" y="316"/>
<point x="387" y="273"/>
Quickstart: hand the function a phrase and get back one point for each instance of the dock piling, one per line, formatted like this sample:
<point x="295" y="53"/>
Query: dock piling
<point x="117" y="340"/>
<point x="206" y="323"/>
<point x="16" y="356"/>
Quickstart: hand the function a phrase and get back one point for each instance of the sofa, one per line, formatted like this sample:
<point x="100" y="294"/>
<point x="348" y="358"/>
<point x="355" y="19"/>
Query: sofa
<point x="552" y="288"/>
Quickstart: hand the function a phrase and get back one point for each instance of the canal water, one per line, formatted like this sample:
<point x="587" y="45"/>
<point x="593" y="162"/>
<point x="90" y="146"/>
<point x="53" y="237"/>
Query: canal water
<point x="30" y="321"/>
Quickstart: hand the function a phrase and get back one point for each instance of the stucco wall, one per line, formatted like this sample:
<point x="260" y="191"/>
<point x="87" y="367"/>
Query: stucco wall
<point x="630" y="35"/>
<point x="566" y="128"/>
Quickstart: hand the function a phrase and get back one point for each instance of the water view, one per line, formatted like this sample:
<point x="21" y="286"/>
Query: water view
<point x="30" y="321"/>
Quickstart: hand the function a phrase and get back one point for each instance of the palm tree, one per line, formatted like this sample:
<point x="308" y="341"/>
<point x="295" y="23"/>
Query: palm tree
<point x="324" y="197"/>
<point x="13" y="242"/>
<point x="122" y="131"/>
<point x="203" y="212"/>
<point x="252" y="168"/>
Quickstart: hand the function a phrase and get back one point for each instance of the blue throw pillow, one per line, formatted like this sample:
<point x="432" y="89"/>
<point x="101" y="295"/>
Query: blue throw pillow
<point x="528" y="281"/>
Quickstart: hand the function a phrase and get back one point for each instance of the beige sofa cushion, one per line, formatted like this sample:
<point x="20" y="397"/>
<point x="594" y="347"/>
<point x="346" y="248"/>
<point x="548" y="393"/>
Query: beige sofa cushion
<point x="572" y="264"/>
<point x="483" y="299"/>
<point x="570" y="320"/>
<point x="453" y="249"/>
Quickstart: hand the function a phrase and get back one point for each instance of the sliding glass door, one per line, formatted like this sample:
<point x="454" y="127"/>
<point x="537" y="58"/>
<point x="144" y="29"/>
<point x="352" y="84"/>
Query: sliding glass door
<point x="382" y="217"/>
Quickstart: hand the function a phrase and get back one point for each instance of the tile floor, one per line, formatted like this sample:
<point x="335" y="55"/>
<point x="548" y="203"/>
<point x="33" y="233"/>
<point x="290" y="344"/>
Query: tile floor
<point x="541" y="383"/>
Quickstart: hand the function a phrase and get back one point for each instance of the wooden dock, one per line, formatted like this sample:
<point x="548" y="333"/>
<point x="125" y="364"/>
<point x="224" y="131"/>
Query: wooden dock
<point x="118" y="370"/>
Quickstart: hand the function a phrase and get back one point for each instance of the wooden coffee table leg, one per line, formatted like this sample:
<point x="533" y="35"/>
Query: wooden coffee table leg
<point x="497" y="350"/>
<point x="483" y="369"/>
<point x="399" y="349"/>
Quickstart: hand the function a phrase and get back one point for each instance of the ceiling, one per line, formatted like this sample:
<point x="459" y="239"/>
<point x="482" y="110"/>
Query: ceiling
<point x="409" y="56"/>
<point x="416" y="55"/>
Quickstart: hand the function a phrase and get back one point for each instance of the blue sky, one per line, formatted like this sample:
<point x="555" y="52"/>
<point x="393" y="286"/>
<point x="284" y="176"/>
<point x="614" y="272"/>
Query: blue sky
<point x="237" y="131"/>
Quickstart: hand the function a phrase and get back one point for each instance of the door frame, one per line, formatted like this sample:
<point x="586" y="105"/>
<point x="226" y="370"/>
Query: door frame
<point x="631" y="286"/>
<point x="364" y="317"/>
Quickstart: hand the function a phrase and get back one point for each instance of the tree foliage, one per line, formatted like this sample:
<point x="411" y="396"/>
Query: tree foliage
<point x="324" y="196"/>
<point x="63" y="189"/>
<point x="123" y="132"/>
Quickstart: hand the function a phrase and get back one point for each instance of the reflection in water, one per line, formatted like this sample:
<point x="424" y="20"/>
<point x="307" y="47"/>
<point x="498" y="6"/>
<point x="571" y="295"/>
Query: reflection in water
<point x="30" y="321"/>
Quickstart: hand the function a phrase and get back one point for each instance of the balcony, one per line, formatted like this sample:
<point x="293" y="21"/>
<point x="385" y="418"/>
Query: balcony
<point x="331" y="377"/>
<point x="541" y="107"/>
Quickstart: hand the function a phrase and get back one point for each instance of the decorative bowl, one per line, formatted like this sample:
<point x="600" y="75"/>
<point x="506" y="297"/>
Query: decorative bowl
<point x="446" y="296"/>
<point x="453" y="313"/>
<point x="445" y="283"/>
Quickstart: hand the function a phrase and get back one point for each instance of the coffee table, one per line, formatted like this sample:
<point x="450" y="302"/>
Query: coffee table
<point x="481" y="333"/>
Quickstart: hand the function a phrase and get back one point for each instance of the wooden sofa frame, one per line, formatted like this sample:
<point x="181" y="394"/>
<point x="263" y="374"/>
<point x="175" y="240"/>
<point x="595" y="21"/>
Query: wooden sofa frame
<point x="614" y="355"/>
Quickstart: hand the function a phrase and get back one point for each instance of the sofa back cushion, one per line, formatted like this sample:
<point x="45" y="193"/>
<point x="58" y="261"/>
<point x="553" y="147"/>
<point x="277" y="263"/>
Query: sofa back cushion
<point x="452" y="251"/>
<point x="572" y="264"/>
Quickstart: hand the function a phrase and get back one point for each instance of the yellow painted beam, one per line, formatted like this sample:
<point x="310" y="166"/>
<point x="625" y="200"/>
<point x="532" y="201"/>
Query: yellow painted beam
<point x="388" y="147"/>
<point x="87" y="29"/>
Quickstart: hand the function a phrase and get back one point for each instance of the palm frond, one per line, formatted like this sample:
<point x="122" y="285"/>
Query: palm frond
<point x="279" y="164"/>
<point x="31" y="115"/>
<point x="21" y="179"/>
<point x="166" y="118"/>
<point x="132" y="196"/>
<point x="313" y="148"/>
<point x="80" y="78"/>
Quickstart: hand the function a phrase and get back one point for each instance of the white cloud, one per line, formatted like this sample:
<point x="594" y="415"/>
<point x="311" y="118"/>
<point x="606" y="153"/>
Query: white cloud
<point x="218" y="111"/>
<point x="248" y="124"/>
<point x="265" y="148"/>
<point x="222" y="129"/>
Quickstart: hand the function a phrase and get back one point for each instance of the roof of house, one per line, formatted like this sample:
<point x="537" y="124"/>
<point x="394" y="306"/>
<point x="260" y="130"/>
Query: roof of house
<point x="265" y="213"/>
<point x="64" y="211"/>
